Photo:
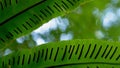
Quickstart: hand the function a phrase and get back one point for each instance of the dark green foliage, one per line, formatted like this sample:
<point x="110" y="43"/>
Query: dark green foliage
<point x="18" y="18"/>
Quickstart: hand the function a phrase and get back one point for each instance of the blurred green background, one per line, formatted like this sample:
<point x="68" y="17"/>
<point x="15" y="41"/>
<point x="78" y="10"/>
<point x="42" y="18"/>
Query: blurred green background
<point x="97" y="19"/>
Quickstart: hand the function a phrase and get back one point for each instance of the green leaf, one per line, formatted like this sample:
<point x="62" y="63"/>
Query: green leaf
<point x="19" y="17"/>
<point x="71" y="54"/>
